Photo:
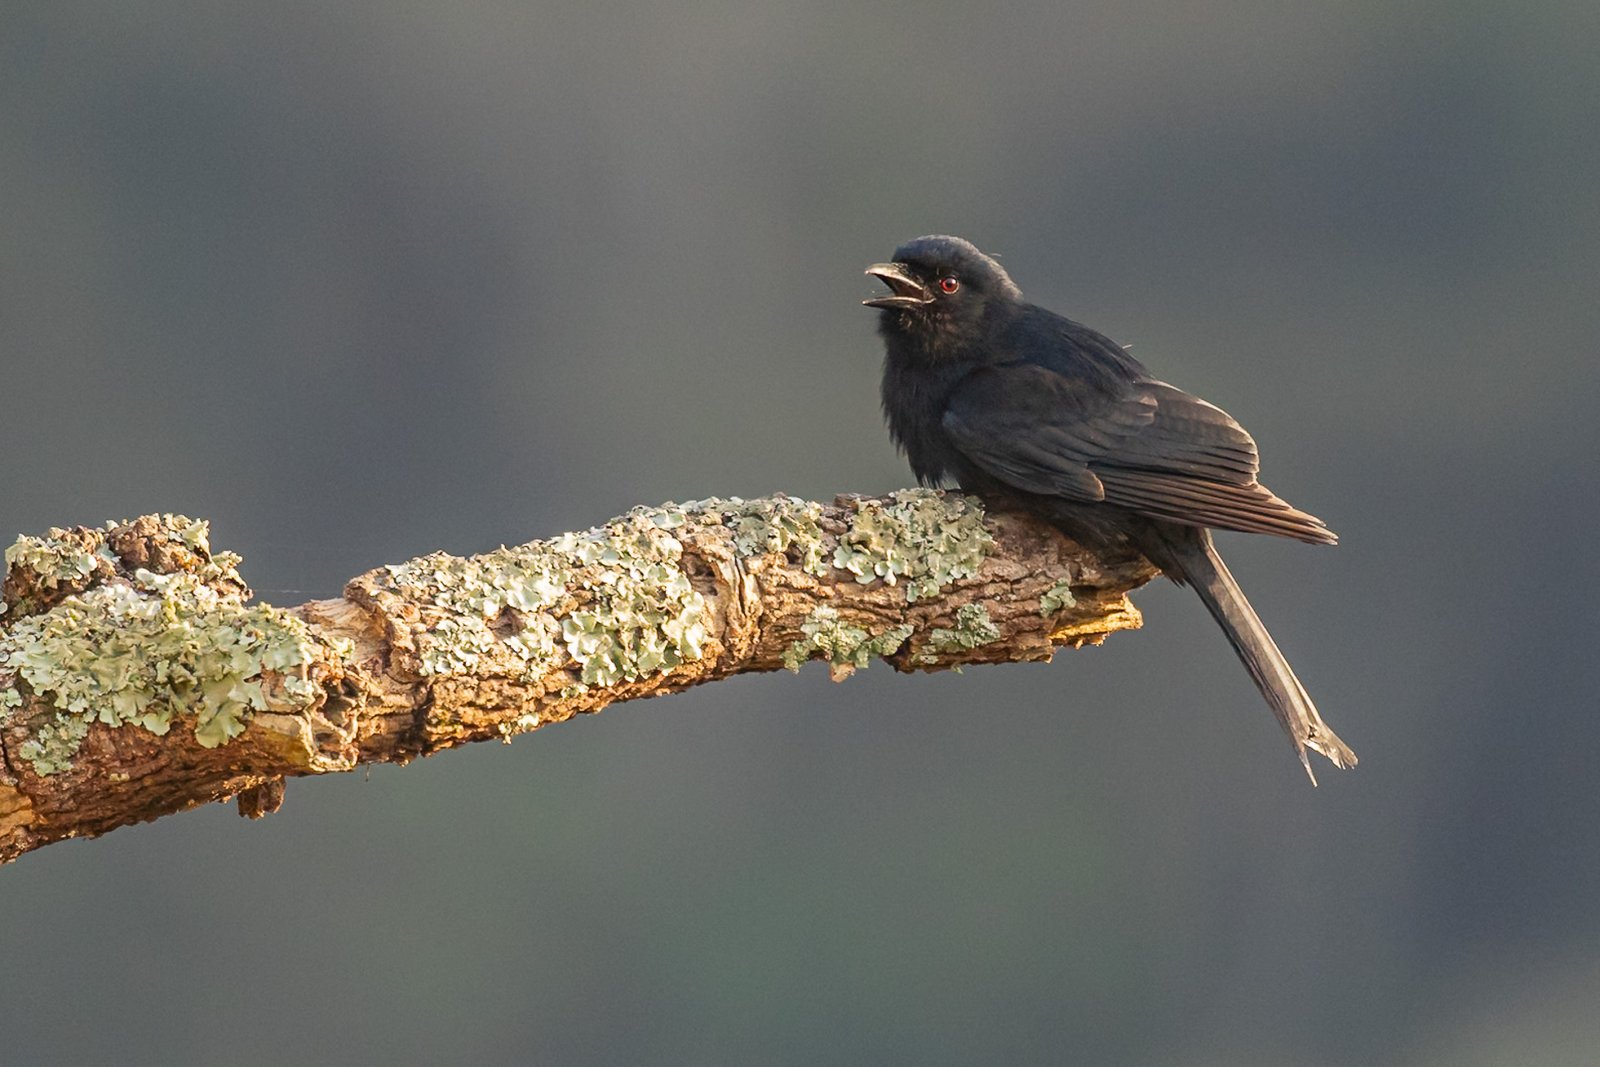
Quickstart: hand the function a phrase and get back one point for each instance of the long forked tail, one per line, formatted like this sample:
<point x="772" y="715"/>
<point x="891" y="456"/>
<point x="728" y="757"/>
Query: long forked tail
<point x="1204" y="569"/>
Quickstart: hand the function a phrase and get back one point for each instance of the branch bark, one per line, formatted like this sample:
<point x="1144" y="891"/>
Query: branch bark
<point x="138" y="680"/>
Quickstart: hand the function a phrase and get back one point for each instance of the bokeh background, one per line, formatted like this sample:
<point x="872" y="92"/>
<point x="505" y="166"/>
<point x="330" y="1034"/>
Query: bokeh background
<point x="360" y="281"/>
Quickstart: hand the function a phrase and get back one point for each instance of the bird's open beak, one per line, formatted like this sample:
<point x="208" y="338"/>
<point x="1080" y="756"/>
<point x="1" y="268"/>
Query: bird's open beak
<point x="908" y="292"/>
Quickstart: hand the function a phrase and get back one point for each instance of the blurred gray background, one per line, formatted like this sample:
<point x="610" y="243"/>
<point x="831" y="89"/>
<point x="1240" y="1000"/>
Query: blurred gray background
<point x="365" y="280"/>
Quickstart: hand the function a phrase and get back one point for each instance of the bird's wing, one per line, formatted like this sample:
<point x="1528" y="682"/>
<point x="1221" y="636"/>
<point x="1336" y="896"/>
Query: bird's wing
<point x="1150" y="447"/>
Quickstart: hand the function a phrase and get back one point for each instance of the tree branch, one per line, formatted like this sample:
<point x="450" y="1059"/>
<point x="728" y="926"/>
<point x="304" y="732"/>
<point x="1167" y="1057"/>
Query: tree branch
<point x="136" y="679"/>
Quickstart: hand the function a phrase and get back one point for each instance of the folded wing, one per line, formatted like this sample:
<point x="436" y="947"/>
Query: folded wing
<point x="1148" y="447"/>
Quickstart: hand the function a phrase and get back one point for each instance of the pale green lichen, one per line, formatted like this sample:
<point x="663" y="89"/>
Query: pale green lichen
<point x="527" y="580"/>
<point x="51" y="747"/>
<point x="841" y="644"/>
<point x="614" y="603"/>
<point x="649" y="619"/>
<point x="924" y="538"/>
<point x="614" y="599"/>
<point x="780" y="524"/>
<point x="776" y="524"/>
<point x="973" y="629"/>
<point x="148" y="649"/>
<point x="119" y="655"/>
<point x="58" y="558"/>
<point x="456" y="645"/>
<point x="66" y="559"/>
<point x="1057" y="599"/>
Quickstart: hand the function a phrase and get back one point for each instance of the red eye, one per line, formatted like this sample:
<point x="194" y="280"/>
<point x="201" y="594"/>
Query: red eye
<point x="949" y="284"/>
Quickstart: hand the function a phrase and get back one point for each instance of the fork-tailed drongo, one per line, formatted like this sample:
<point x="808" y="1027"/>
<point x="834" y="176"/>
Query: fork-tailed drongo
<point x="1032" y="411"/>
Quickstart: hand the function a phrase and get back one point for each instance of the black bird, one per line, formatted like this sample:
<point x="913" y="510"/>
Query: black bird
<point x="1033" y="411"/>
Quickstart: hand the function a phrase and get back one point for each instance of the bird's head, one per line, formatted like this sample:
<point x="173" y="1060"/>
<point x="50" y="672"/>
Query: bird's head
<point x="940" y="287"/>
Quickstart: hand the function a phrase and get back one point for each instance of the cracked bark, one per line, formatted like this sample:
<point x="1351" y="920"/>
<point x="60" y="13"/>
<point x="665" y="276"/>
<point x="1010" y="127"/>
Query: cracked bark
<point x="381" y="705"/>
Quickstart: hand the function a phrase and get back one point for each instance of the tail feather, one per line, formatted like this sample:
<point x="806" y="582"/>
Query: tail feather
<point x="1203" y="568"/>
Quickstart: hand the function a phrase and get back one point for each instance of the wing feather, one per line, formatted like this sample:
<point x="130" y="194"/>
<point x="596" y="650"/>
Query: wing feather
<point x="1145" y="445"/>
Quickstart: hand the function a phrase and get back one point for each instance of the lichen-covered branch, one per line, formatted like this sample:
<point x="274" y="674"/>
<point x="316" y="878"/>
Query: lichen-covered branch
<point x="136" y="679"/>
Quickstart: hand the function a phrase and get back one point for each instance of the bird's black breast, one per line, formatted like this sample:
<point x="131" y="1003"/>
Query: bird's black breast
<point x="922" y="371"/>
<point x="915" y="395"/>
